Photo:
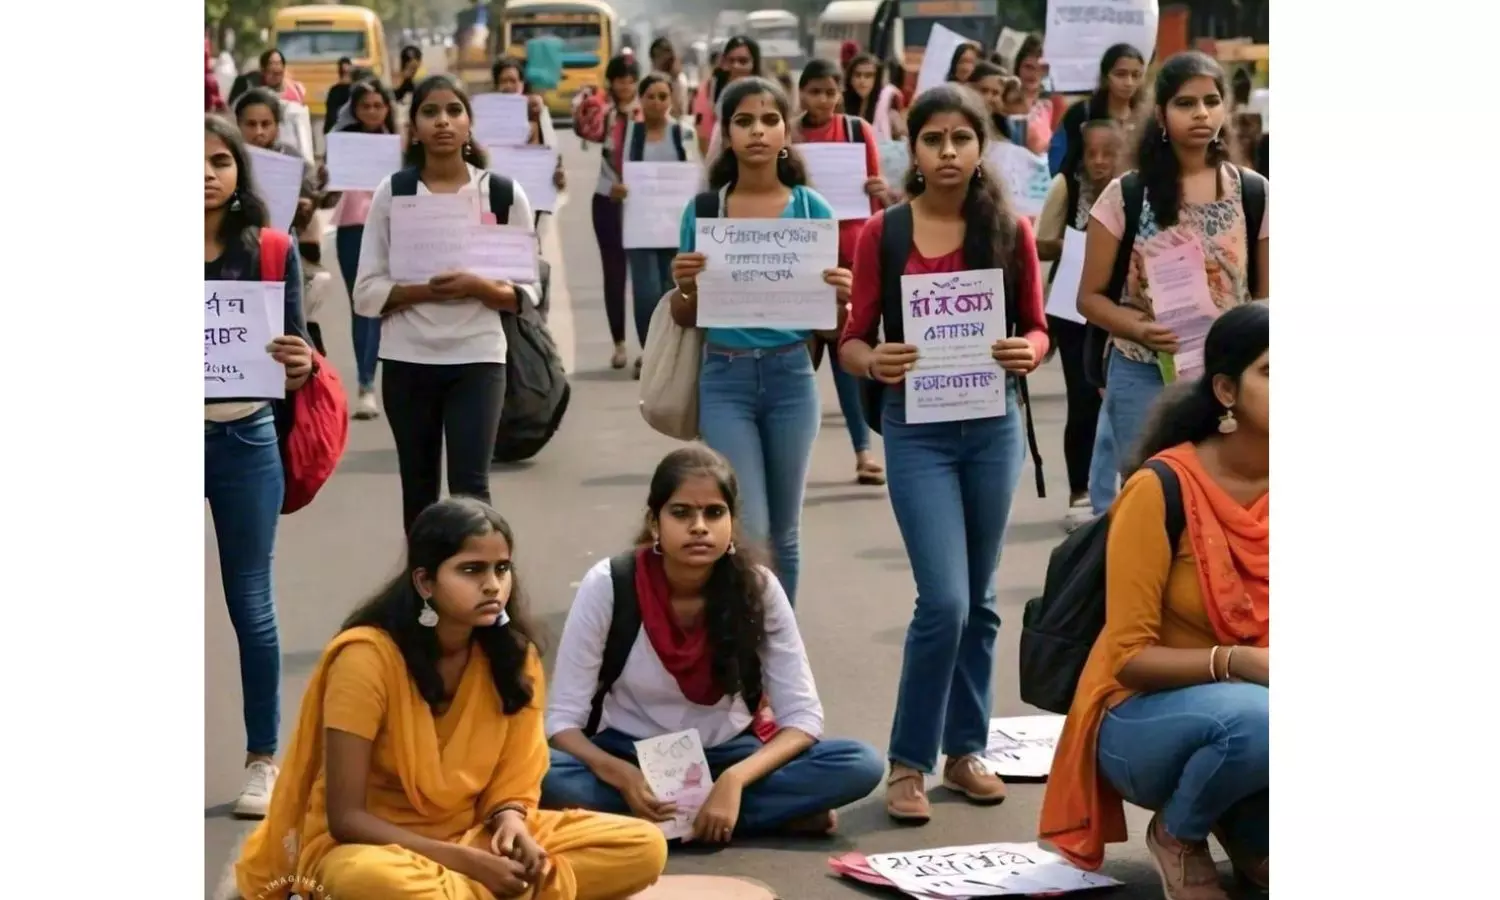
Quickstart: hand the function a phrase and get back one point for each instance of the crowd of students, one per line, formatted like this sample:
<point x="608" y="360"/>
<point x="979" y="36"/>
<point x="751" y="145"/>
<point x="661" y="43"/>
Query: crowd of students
<point x="388" y="788"/>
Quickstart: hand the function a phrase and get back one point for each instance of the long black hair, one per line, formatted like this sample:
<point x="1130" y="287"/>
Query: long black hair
<point x="865" y="109"/>
<point x="1189" y="411"/>
<point x="1156" y="159"/>
<point x="358" y="92"/>
<point x="733" y="611"/>
<point x="416" y="154"/>
<point x="721" y="75"/>
<point x="990" y="229"/>
<point x="958" y="54"/>
<point x="619" y="66"/>
<point x="242" y="224"/>
<point x="438" y="534"/>
<point x="725" y="168"/>
<point x="1098" y="104"/>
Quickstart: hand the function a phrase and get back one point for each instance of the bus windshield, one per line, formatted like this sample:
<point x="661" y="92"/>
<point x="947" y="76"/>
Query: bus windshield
<point x="976" y="28"/>
<point x="303" y="46"/>
<point x="576" y="37"/>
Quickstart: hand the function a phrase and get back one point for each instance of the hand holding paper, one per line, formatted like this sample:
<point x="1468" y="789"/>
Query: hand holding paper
<point x="719" y="814"/>
<point x="1014" y="354"/>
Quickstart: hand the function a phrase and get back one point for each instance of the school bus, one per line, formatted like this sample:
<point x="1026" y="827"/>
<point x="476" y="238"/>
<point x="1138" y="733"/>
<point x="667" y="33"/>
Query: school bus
<point x="588" y="29"/>
<point x="314" y="38"/>
<point x="977" y="20"/>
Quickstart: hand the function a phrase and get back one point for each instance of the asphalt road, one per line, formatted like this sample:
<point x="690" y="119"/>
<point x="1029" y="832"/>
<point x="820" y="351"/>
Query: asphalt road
<point x="580" y="500"/>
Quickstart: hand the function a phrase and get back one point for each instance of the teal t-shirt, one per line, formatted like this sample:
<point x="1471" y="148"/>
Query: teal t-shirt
<point x="805" y="203"/>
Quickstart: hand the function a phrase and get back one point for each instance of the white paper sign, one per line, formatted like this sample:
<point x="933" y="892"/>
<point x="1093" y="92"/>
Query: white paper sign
<point x="952" y="320"/>
<point x="1022" y="746"/>
<point x="501" y="120"/>
<point x="296" y="130"/>
<point x="942" y="43"/>
<point x="1026" y="175"/>
<point x="278" y="181"/>
<point x="1062" y="301"/>
<point x="501" y="253"/>
<point x="656" y="194"/>
<point x="239" y="319"/>
<point x="984" y="870"/>
<point x="427" y="234"/>
<point x="767" y="273"/>
<point x="895" y="159"/>
<point x="532" y="168"/>
<point x="1078" y="33"/>
<point x="359" y="162"/>
<point x="677" y="772"/>
<point x="838" y="172"/>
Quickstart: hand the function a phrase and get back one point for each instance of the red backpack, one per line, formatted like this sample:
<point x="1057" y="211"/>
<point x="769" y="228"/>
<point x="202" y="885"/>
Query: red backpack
<point x="313" y="423"/>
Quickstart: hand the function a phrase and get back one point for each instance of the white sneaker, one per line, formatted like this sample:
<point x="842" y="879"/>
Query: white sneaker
<point x="365" y="407"/>
<point x="255" y="796"/>
<point x="1079" y="514"/>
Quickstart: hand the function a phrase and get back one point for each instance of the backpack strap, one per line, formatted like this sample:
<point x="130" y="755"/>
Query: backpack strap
<point x="1133" y="192"/>
<point x="404" y="182"/>
<point x="677" y="142"/>
<point x="706" y="205"/>
<point x="274" y="247"/>
<point x="624" y="626"/>
<point x="1171" y="489"/>
<point x="635" y="139"/>
<point x="853" y="133"/>
<point x="502" y="196"/>
<point x="895" y="248"/>
<point x="1253" y="191"/>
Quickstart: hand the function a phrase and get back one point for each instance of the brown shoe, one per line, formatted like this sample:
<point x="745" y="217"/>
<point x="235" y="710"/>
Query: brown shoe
<point x="1253" y="870"/>
<point x="906" y="797"/>
<point x="968" y="776"/>
<point x="1187" y="870"/>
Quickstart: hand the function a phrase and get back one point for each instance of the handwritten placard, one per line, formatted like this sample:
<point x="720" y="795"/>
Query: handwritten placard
<point x="533" y="169"/>
<point x="658" y="191"/>
<point x="1062" y="299"/>
<point x="767" y="273"/>
<point x="952" y="320"/>
<point x="838" y="172"/>
<point x="501" y="120"/>
<point x="895" y="159"/>
<point x="1177" y="280"/>
<point x="1026" y="176"/>
<point x="501" y="253"/>
<point x="677" y="771"/>
<point x="239" y="320"/>
<point x="359" y="162"/>
<point x="278" y="181"/>
<point x="427" y="234"/>
<point x="1078" y="33"/>
<point x="984" y="870"/>
<point x="1022" y="746"/>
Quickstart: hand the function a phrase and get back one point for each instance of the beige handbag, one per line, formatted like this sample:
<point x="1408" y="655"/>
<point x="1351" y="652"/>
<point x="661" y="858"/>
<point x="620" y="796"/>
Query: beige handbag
<point x="669" y="374"/>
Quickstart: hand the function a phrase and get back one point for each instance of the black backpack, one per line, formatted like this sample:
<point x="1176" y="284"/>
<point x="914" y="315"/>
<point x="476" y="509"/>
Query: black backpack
<point x="1253" y="195"/>
<point x="1059" y="628"/>
<point x="536" y="387"/>
<point x="637" y="142"/>
<point x="502" y="191"/>
<point x="895" y="247"/>
<point x="624" y="625"/>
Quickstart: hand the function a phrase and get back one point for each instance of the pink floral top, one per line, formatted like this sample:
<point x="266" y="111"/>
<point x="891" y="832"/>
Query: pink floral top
<point x="1219" y="227"/>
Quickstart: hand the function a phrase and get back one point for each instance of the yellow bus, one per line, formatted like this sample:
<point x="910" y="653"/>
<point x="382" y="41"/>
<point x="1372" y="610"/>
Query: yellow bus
<point x="589" y="32"/>
<point x="314" y="38"/>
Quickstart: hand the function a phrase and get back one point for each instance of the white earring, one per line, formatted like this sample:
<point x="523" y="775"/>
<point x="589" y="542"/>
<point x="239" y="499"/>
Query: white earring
<point x="1227" y="422"/>
<point x="428" y="617"/>
<point x="504" y="618"/>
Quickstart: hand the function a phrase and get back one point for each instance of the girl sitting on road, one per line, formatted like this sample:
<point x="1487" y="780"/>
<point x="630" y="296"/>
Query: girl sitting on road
<point x="757" y="391"/>
<point x="716" y="629"/>
<point x="418" y="758"/>
<point x="1172" y="712"/>
<point x="442" y="342"/>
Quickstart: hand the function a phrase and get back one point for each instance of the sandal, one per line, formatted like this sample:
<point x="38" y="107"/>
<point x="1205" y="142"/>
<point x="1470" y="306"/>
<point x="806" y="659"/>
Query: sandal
<point x="910" y="808"/>
<point x="870" y="473"/>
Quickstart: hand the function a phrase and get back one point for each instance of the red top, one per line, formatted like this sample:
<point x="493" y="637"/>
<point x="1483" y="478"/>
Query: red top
<point x="864" y="299"/>
<point x="832" y="131"/>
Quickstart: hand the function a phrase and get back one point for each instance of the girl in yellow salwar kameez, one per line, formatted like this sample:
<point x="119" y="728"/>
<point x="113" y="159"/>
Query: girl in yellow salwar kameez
<point x="418" y="758"/>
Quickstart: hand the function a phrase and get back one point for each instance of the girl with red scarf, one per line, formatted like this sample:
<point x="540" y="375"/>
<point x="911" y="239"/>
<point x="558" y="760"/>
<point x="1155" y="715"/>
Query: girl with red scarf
<point x="716" y="628"/>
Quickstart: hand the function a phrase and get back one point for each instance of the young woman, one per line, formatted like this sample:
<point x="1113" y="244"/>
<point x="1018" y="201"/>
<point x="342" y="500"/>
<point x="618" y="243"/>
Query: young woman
<point x="664" y="60"/>
<point x="1172" y="709"/>
<point x="273" y="77"/>
<point x="1192" y="193"/>
<point x="623" y="75"/>
<point x="951" y="483"/>
<point x="999" y="92"/>
<point x="716" y="628"/>
<point x="757" y="392"/>
<point x="258" y="114"/>
<point x="739" y="59"/>
<point x="965" y="57"/>
<point x="370" y="110"/>
<point x="869" y="97"/>
<point x="664" y="140"/>
<point x="1103" y="144"/>
<point x="509" y="78"/>
<point x="1122" y="73"/>
<point x="242" y="476"/>
<point x="818" y="123"/>
<point x="442" y="342"/>
<point x="1043" y="112"/>
<point x="419" y="753"/>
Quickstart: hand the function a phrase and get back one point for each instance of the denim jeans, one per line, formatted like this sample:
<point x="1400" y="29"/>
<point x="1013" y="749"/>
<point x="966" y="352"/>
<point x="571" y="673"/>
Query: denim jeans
<point x="760" y="409"/>
<point x="1201" y="756"/>
<point x="827" y="775"/>
<point x="1104" y="468"/>
<point x="847" y="387"/>
<point x="1131" y="392"/>
<point x="244" y="485"/>
<point x="650" y="278"/>
<point x="951" y="485"/>
<point x="366" y="328"/>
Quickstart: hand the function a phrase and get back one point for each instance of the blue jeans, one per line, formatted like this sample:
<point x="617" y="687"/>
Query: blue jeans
<point x="849" y="403"/>
<point x="951" y="485"/>
<point x="244" y="485"/>
<point x="827" y="775"/>
<point x="650" y="277"/>
<point x="1201" y="756"/>
<point x="1104" y="468"/>
<point x="760" y="409"/>
<point x="366" y="328"/>
<point x="1131" y="392"/>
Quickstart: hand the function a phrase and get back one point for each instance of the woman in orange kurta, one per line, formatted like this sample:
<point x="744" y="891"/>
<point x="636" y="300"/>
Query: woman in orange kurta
<point x="1172" y="709"/>
<point x="418" y="758"/>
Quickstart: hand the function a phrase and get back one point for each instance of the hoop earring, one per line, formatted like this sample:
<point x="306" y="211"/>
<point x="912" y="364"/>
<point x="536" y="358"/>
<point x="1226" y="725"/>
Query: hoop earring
<point x="656" y="546"/>
<point x="1227" y="422"/>
<point x="1164" y="138"/>
<point x="428" y="617"/>
<point x="785" y="153"/>
<point x="234" y="202"/>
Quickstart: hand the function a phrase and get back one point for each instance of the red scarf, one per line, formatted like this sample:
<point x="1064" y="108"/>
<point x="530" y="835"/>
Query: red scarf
<point x="684" y="654"/>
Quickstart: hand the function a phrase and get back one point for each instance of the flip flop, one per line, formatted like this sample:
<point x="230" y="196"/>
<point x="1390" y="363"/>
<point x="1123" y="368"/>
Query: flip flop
<point x="871" y="473"/>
